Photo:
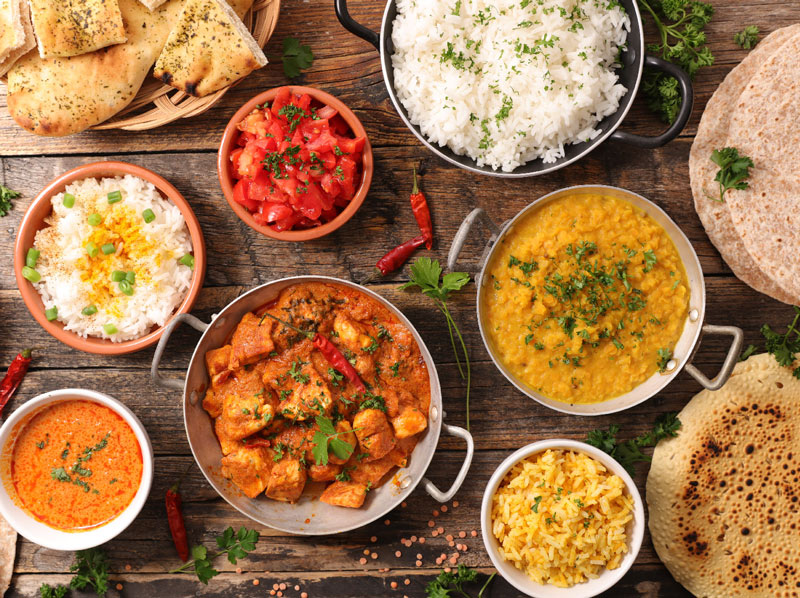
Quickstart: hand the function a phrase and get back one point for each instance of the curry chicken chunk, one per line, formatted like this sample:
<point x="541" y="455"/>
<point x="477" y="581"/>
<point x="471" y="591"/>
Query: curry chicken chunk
<point x="285" y="416"/>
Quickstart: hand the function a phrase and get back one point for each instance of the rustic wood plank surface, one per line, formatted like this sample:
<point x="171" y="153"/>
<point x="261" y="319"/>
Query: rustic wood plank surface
<point x="502" y="419"/>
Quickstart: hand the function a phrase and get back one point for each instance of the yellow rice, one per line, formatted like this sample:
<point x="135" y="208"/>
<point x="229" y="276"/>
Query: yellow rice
<point x="560" y="516"/>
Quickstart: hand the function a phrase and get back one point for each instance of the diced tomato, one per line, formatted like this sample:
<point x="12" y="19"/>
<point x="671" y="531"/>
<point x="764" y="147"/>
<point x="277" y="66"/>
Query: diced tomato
<point x="270" y="212"/>
<point x="324" y="142"/>
<point x="241" y="195"/>
<point x="330" y="185"/>
<point x="347" y="176"/>
<point x="283" y="97"/>
<point x="338" y="125"/>
<point x="287" y="223"/>
<point x="235" y="154"/>
<point x="351" y="146"/>
<point x="327" y="112"/>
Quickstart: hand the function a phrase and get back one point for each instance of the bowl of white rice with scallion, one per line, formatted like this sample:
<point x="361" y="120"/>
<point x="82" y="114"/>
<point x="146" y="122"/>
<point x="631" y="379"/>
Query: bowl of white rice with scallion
<point x="106" y="255"/>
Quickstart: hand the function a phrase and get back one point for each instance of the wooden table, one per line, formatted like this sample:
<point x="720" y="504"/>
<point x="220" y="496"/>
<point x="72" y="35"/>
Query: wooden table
<point x="502" y="419"/>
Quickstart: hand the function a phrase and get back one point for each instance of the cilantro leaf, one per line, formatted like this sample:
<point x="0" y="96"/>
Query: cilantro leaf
<point x="296" y="57"/>
<point x="750" y="350"/>
<point x="328" y="438"/>
<point x="91" y="569"/>
<point x="680" y="25"/>
<point x="447" y="584"/>
<point x="341" y="448"/>
<point x="630" y="452"/>
<point x="733" y="169"/>
<point x="6" y="195"/>
<point x="48" y="591"/>
<point x="747" y="38"/>
<point x="320" y="450"/>
<point x="236" y="545"/>
<point x="783" y="346"/>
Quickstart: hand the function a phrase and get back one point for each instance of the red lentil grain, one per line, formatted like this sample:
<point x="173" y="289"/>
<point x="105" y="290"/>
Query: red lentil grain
<point x="422" y="540"/>
<point x="443" y="508"/>
<point x="283" y="586"/>
<point x="394" y="585"/>
<point x="435" y="513"/>
<point x="473" y="533"/>
<point x="374" y="539"/>
<point x="462" y="534"/>
<point x="406" y="581"/>
<point x="362" y="560"/>
<point x="387" y="522"/>
<point x="398" y="554"/>
<point x="256" y="582"/>
<point x="455" y="504"/>
<point x="419" y="563"/>
<point x="431" y="523"/>
<point x="118" y="586"/>
<point x="374" y="555"/>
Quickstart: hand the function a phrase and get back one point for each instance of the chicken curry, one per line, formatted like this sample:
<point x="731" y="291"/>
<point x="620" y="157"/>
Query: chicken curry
<point x="285" y="416"/>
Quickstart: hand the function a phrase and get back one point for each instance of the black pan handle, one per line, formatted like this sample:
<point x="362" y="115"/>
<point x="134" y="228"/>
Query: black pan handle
<point x="353" y="27"/>
<point x="687" y="100"/>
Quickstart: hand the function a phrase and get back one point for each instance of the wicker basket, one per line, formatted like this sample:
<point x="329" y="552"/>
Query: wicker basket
<point x="157" y="104"/>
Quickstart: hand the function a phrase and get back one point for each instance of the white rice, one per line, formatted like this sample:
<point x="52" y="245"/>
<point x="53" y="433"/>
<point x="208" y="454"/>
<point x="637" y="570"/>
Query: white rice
<point x="151" y="250"/>
<point x="508" y="81"/>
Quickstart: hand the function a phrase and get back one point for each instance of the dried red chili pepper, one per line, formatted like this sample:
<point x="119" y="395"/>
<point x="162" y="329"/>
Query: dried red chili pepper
<point x="175" y="520"/>
<point x="419" y="205"/>
<point x="398" y="256"/>
<point x="16" y="372"/>
<point x="330" y="352"/>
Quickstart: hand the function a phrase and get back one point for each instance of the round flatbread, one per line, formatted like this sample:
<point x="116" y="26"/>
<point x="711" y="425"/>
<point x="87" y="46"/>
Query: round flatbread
<point x="8" y="550"/>
<point x="765" y="126"/>
<point x="724" y="495"/>
<point x="712" y="134"/>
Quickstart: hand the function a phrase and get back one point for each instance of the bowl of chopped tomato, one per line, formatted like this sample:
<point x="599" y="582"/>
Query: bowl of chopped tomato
<point x="295" y="163"/>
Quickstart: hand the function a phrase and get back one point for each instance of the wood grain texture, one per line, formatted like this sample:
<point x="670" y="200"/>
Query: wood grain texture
<point x="502" y="419"/>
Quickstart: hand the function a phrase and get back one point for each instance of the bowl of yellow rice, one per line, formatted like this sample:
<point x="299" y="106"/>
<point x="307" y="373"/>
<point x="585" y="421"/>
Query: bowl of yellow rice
<point x="562" y="519"/>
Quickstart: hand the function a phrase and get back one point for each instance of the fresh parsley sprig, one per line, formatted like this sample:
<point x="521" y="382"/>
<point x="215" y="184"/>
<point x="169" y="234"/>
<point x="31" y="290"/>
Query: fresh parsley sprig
<point x="48" y="591"/>
<point x="747" y="38"/>
<point x="682" y="41"/>
<point x="783" y="347"/>
<point x="6" y="195"/>
<point x="327" y="439"/>
<point x="426" y="274"/>
<point x="236" y="545"/>
<point x="296" y="57"/>
<point x="448" y="582"/>
<point x="630" y="452"/>
<point x="91" y="570"/>
<point x="733" y="170"/>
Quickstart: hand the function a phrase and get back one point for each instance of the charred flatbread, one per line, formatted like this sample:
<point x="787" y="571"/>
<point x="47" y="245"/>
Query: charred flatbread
<point x="724" y="495"/>
<point x="72" y="27"/>
<point x="712" y="134"/>
<point x="60" y="96"/>
<point x="208" y="49"/>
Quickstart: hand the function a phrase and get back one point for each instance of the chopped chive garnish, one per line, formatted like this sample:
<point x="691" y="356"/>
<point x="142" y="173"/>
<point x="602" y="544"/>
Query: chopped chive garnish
<point x="131" y="277"/>
<point x="148" y="215"/>
<point x="95" y="219"/>
<point x="89" y="310"/>
<point x="91" y="249"/>
<point x="30" y="274"/>
<point x="32" y="257"/>
<point x="117" y="276"/>
<point x="69" y="200"/>
<point x="51" y="314"/>
<point x="108" y="248"/>
<point x="187" y="260"/>
<point x="126" y="287"/>
<point x="114" y="196"/>
<point x="110" y="329"/>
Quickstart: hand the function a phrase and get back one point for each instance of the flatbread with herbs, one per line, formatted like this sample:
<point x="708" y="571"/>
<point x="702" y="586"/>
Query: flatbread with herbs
<point x="712" y="134"/>
<point x="20" y="22"/>
<point x="8" y="550"/>
<point x="61" y="96"/>
<point x="208" y="49"/>
<point x="73" y="27"/>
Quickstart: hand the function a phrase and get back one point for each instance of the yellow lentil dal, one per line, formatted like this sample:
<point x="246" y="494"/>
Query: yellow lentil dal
<point x="585" y="298"/>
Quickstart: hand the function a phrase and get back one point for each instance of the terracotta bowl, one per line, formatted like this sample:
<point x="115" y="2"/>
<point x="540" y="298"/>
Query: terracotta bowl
<point x="227" y="182"/>
<point x="40" y="209"/>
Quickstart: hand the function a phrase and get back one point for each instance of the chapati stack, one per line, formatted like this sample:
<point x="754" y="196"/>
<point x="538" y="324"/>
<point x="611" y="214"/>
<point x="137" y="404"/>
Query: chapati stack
<point x="756" y="110"/>
<point x="724" y="495"/>
<point x="94" y="55"/>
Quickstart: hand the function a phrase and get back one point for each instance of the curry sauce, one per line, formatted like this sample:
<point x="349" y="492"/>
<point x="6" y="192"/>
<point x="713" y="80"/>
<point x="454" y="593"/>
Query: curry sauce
<point x="285" y="416"/>
<point x="75" y="465"/>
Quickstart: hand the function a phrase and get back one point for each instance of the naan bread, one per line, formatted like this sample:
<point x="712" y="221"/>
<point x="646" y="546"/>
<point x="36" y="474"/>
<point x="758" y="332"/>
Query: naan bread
<point x="723" y="495"/>
<point x="10" y="56"/>
<point x="712" y="134"/>
<point x="152" y="4"/>
<point x="60" y="96"/>
<point x="12" y="34"/>
<point x="8" y="549"/>
<point x="208" y="49"/>
<point x="72" y="27"/>
<point x="765" y="125"/>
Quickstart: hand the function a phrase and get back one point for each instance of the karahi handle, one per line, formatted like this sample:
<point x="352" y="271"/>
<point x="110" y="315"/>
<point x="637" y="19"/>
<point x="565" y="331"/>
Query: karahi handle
<point x="445" y="496"/>
<point x="155" y="375"/>
<point x="353" y="26"/>
<point x="730" y="360"/>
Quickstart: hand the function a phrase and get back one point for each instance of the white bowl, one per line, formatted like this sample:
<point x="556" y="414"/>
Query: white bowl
<point x="519" y="579"/>
<point x="47" y="536"/>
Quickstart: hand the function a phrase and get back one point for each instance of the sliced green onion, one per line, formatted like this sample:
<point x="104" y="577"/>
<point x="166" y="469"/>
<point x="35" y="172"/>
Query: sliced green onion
<point x="51" y="314"/>
<point x="117" y="276"/>
<point x="32" y="257"/>
<point x="95" y="219"/>
<point x="114" y="196"/>
<point x="131" y="277"/>
<point x="89" y="310"/>
<point x="108" y="248"/>
<point x="187" y="260"/>
<point x="110" y="329"/>
<point x="69" y="200"/>
<point x="126" y="287"/>
<point x="92" y="249"/>
<point x="30" y="274"/>
<point x="148" y="215"/>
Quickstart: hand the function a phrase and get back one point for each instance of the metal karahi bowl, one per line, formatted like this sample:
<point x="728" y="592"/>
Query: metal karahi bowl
<point x="633" y="60"/>
<point x="308" y="516"/>
<point x="687" y="344"/>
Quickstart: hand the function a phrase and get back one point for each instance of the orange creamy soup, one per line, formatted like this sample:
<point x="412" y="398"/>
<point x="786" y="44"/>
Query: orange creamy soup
<point x="76" y="465"/>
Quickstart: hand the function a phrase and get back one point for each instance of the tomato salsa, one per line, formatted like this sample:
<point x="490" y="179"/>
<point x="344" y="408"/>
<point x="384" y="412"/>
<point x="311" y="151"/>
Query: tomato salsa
<point x="297" y="164"/>
<point x="75" y="465"/>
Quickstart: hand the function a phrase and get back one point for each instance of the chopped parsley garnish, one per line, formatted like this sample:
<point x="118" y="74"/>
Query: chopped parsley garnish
<point x="297" y="375"/>
<point x="747" y="38"/>
<point x="536" y="501"/>
<point x="664" y="357"/>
